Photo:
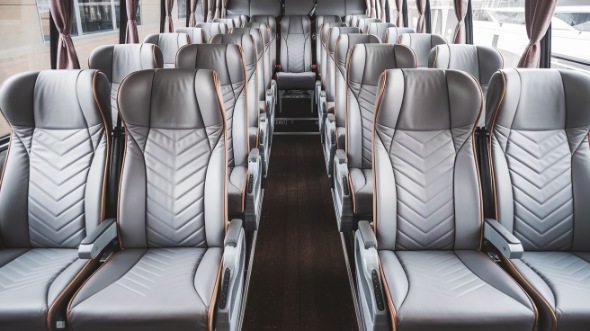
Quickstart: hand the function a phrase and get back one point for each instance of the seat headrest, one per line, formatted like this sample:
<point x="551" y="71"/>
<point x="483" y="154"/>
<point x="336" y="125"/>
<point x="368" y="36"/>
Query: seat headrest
<point x="211" y="29"/>
<point x="325" y="30"/>
<point x="335" y="34"/>
<point x="196" y="35"/>
<point x="117" y="61"/>
<point x="256" y="35"/>
<point x="378" y="29"/>
<point x="227" y="58"/>
<point x="244" y="41"/>
<point x="422" y="44"/>
<point x="295" y="25"/>
<point x="346" y="42"/>
<point x="169" y="43"/>
<point x="391" y="35"/>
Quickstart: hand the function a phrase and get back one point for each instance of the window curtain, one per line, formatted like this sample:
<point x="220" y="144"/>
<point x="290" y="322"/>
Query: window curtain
<point x="217" y="9"/>
<point x="223" y="8"/>
<point x="169" y="6"/>
<point x="421" y="5"/>
<point x="381" y="10"/>
<point x="460" y="13"/>
<point x="371" y="8"/>
<point x="193" y="18"/>
<point x="131" y="36"/>
<point x="538" y="16"/>
<point x="63" y="17"/>
<point x="395" y="13"/>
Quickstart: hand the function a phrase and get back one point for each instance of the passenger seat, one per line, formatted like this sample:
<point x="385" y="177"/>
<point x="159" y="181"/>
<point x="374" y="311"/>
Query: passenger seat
<point x="352" y="173"/>
<point x="363" y="22"/>
<point x="295" y="57"/>
<point x="420" y="264"/>
<point x="182" y="263"/>
<point x="53" y="192"/>
<point x="392" y="34"/>
<point x="272" y="26"/>
<point x="378" y="29"/>
<point x="319" y="23"/>
<point x="323" y="66"/>
<point x="421" y="44"/>
<point x="211" y="29"/>
<point x="169" y="44"/>
<point x="196" y="35"/>
<point x="229" y="22"/>
<point x="539" y="120"/>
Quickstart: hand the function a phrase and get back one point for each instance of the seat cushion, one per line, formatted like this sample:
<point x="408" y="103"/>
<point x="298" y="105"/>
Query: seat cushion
<point x="236" y="187"/>
<point x="563" y="280"/>
<point x="454" y="290"/>
<point x="149" y="289"/>
<point x="296" y="81"/>
<point x="362" y="188"/>
<point x="31" y="280"/>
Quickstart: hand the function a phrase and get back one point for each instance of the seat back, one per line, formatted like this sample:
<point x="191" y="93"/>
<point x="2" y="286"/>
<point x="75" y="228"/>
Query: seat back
<point x="363" y="22"/>
<point x="211" y="29"/>
<point x="169" y="44"/>
<point x="540" y="158"/>
<point x="378" y="29"/>
<point x="196" y="35"/>
<point x="480" y="61"/>
<point x="422" y="44"/>
<point x="229" y="63"/>
<point x="231" y="23"/>
<point x="239" y="20"/>
<point x="339" y="55"/>
<point x="265" y="33"/>
<point x="173" y="189"/>
<point x="391" y="35"/>
<point x="261" y="76"/>
<point x="353" y="20"/>
<point x="53" y="187"/>
<point x="333" y="38"/>
<point x="365" y="64"/>
<point x="427" y="190"/>
<point x="295" y="44"/>
<point x="324" y="37"/>
<point x="272" y="26"/>
<point x="319" y="22"/>
<point x="118" y="61"/>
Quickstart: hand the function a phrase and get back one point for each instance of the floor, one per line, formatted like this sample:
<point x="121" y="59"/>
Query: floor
<point x="299" y="279"/>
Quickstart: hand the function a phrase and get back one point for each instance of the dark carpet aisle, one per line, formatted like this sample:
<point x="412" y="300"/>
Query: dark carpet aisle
<point x="299" y="279"/>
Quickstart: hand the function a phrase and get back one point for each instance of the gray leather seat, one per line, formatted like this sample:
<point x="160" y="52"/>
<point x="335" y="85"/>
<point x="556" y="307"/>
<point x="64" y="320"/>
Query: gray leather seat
<point x="211" y="29"/>
<point x="172" y="216"/>
<point x="391" y="35"/>
<point x="326" y="100"/>
<point x="323" y="65"/>
<point x="295" y="54"/>
<point x="353" y="20"/>
<point x="118" y="61"/>
<point x="363" y="22"/>
<point x="319" y="23"/>
<point x="231" y="23"/>
<point x="239" y="20"/>
<point x="272" y="26"/>
<point x="256" y="75"/>
<point x="169" y="44"/>
<point x="378" y="29"/>
<point x="236" y="73"/>
<point x="196" y="35"/>
<point x="539" y="121"/>
<point x="53" y="191"/>
<point x="352" y="174"/>
<point x="421" y="44"/>
<point x="423" y="250"/>
<point x="479" y="61"/>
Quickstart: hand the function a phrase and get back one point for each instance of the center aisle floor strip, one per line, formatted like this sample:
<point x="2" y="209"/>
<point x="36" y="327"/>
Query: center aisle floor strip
<point x="299" y="279"/>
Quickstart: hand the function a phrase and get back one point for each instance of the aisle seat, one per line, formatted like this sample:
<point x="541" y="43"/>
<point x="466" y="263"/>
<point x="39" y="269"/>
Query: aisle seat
<point x="169" y="44"/>
<point x="421" y="44"/>
<point x="378" y="29"/>
<point x="391" y="35"/>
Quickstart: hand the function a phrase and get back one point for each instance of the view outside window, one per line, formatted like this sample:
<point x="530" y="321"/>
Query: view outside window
<point x="443" y="19"/>
<point x="501" y="24"/>
<point x="570" y="35"/>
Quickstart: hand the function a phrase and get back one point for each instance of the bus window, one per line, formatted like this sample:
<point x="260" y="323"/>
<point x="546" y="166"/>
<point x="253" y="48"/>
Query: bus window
<point x="570" y="38"/>
<point x="501" y="26"/>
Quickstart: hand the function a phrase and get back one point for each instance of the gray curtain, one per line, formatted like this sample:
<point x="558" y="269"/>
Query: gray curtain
<point x="193" y="18"/>
<point x="538" y="16"/>
<point x="460" y="13"/>
<point x="420" y="27"/>
<point x="63" y="17"/>
<point x="131" y="36"/>
<point x="169" y="6"/>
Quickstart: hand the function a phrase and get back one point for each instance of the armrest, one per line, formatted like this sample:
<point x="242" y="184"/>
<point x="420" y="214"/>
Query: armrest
<point x="98" y="240"/>
<point x="342" y="195"/>
<point x="502" y="239"/>
<point x="328" y="139"/>
<point x="231" y="288"/>
<point x="253" y="190"/>
<point x="322" y="105"/>
<point x="263" y="142"/>
<point x="372" y="304"/>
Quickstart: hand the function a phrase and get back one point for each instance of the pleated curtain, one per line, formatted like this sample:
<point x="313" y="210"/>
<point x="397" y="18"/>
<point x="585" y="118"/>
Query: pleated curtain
<point x="131" y="36"/>
<point x="63" y="17"/>
<point x="169" y="23"/>
<point x="460" y="13"/>
<point x="538" y="14"/>
<point x="420" y="26"/>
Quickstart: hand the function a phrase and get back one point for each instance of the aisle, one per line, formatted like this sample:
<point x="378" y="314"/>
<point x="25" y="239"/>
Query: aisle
<point x="299" y="279"/>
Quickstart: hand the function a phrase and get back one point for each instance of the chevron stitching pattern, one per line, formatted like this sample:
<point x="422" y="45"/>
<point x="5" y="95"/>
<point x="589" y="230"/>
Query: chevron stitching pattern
<point x="366" y="97"/>
<point x="540" y="169"/>
<point x="440" y="272"/>
<point x="60" y="161"/>
<point x="296" y="52"/>
<point x="423" y="163"/>
<point x="230" y="94"/>
<point x="37" y="267"/>
<point x="561" y="269"/>
<point x="161" y="270"/>
<point x="176" y="167"/>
